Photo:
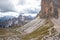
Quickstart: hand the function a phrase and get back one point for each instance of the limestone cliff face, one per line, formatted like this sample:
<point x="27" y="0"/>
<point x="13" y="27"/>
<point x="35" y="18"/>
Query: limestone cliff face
<point x="38" y="29"/>
<point x="50" y="8"/>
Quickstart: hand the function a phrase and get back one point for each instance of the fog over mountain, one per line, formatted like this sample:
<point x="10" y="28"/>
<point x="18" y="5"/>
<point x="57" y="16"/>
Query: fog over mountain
<point x="15" y="7"/>
<point x="10" y="11"/>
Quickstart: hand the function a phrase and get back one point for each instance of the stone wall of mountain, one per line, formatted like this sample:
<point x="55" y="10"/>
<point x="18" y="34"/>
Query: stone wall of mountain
<point x="50" y="9"/>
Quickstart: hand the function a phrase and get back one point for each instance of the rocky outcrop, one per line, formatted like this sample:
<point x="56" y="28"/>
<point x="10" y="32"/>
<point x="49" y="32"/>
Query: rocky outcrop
<point x="44" y="27"/>
<point x="50" y="8"/>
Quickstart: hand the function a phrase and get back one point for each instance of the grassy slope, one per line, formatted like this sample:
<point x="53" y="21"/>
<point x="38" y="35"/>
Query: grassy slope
<point x="43" y="30"/>
<point x="39" y="33"/>
<point x="6" y="32"/>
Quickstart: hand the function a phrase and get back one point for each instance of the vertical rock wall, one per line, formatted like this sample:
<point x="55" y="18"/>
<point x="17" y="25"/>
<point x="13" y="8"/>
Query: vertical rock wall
<point x="50" y="8"/>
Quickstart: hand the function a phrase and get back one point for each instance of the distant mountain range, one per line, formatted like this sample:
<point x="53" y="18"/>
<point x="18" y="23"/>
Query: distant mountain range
<point x="6" y="18"/>
<point x="9" y="21"/>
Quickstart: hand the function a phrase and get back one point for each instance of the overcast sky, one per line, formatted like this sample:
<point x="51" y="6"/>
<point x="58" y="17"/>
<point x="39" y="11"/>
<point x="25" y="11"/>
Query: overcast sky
<point x="15" y="7"/>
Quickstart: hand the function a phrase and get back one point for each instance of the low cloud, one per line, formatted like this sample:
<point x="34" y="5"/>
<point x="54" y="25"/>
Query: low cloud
<point x="6" y="6"/>
<point x="18" y="6"/>
<point x="15" y="14"/>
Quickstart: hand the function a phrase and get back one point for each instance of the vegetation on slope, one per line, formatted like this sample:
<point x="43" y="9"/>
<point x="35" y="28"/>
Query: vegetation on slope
<point x="40" y="32"/>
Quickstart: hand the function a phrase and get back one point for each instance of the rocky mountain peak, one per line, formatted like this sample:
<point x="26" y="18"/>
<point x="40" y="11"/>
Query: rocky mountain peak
<point x="50" y="9"/>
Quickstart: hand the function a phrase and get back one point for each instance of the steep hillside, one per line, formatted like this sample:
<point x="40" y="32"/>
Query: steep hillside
<point x="46" y="25"/>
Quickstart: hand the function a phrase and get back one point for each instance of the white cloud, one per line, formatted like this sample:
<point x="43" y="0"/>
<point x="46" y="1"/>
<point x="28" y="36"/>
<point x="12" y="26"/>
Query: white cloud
<point x="15" y="5"/>
<point x="5" y="5"/>
<point x="28" y="4"/>
<point x="33" y="15"/>
<point x="2" y="14"/>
